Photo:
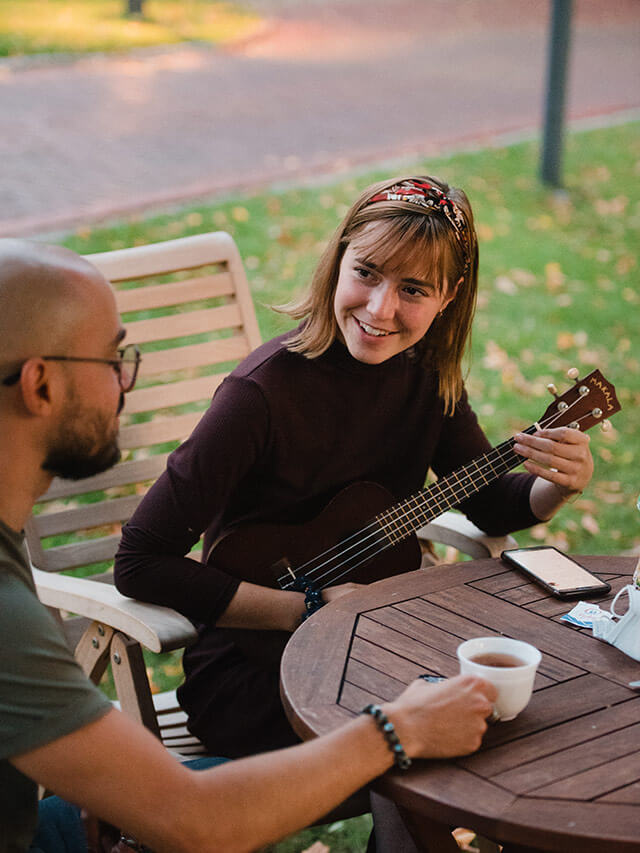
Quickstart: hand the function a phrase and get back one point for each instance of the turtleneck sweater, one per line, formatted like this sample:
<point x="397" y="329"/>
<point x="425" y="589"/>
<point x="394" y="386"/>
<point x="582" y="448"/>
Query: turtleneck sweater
<point x="282" y="436"/>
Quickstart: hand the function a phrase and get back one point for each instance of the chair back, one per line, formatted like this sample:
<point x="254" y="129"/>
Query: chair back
<point x="187" y="304"/>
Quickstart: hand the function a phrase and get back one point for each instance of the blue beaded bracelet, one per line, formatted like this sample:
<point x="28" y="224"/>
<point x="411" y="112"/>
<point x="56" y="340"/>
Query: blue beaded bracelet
<point x="313" y="599"/>
<point x="387" y="728"/>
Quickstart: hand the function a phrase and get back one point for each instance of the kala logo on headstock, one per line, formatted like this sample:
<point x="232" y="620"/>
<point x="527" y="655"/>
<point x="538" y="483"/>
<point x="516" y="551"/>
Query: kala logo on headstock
<point x="583" y="405"/>
<point x="597" y="380"/>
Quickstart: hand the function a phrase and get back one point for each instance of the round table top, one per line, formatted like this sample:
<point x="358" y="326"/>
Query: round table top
<point x="564" y="775"/>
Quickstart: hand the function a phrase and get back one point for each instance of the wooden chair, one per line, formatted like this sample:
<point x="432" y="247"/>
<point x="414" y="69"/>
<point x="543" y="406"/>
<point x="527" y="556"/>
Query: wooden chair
<point x="186" y="302"/>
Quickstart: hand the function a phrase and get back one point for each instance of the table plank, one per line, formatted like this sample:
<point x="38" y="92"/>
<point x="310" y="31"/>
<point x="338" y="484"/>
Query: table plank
<point x="581" y="650"/>
<point x="568" y="762"/>
<point x="498" y="759"/>
<point x="425" y="656"/>
<point x="608" y="776"/>
<point x="566" y="701"/>
<point x="598" y="828"/>
<point x="627" y="794"/>
<point x="373" y="655"/>
<point x="368" y="678"/>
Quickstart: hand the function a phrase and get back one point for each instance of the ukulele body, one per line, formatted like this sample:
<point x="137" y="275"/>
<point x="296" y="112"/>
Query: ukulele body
<point x="251" y="552"/>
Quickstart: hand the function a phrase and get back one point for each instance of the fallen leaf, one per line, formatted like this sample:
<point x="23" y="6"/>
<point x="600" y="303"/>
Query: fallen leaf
<point x="505" y="285"/>
<point x="240" y="214"/>
<point x="590" y="524"/>
<point x="554" y="278"/>
<point x="564" y="340"/>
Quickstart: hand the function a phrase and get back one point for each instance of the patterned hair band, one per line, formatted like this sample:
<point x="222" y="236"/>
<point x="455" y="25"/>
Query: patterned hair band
<point x="432" y="198"/>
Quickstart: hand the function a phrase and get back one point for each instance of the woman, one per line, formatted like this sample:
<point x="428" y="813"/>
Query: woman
<point x="367" y="388"/>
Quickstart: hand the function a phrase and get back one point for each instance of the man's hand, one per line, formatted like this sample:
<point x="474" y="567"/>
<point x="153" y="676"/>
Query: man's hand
<point x="442" y="720"/>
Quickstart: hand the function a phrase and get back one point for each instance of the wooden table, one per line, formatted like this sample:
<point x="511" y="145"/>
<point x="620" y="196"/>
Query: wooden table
<point x="564" y="775"/>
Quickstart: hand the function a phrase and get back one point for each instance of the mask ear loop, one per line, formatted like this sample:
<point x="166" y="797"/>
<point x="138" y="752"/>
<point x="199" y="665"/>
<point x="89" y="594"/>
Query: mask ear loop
<point x="612" y="608"/>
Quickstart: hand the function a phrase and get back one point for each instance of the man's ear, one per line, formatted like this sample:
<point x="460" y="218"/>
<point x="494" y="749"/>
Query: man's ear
<point x="35" y="383"/>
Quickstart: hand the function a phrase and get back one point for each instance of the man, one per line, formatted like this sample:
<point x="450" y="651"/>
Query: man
<point x="62" y="385"/>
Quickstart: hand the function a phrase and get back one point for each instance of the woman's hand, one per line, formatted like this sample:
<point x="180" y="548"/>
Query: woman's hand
<point x="560" y="455"/>
<point x="562" y="461"/>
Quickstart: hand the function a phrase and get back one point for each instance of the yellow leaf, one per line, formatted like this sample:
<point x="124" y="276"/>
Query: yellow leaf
<point x="485" y="232"/>
<point x="554" y="277"/>
<point x="564" y="340"/>
<point x="240" y="214"/>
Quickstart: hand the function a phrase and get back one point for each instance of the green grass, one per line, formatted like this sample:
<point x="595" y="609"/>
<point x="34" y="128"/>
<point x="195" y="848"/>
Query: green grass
<point x="558" y="288"/>
<point x="83" y="26"/>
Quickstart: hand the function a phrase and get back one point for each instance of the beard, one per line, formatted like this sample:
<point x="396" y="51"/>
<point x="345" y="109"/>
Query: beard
<point x="85" y="444"/>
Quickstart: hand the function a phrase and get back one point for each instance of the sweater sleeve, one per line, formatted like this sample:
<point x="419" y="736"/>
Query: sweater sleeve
<point x="189" y="497"/>
<point x="499" y="508"/>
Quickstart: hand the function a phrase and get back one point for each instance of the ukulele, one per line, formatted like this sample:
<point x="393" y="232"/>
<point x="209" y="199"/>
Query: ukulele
<point x="363" y="535"/>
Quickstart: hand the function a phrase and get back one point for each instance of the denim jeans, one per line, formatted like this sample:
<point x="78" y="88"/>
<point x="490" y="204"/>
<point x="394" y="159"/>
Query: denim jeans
<point x="60" y="828"/>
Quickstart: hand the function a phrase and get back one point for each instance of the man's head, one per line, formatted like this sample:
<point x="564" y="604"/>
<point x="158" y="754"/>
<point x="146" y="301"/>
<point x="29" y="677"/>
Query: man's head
<point x="56" y="310"/>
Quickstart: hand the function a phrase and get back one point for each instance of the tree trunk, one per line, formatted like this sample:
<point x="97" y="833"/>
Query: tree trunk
<point x="134" y="7"/>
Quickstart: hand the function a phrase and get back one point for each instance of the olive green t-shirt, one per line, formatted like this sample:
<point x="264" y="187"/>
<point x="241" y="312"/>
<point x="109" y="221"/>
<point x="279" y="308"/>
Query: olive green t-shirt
<point x="44" y="694"/>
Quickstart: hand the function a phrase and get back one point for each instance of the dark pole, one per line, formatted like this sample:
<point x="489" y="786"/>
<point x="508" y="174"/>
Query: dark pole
<point x="551" y="166"/>
<point x="134" y="7"/>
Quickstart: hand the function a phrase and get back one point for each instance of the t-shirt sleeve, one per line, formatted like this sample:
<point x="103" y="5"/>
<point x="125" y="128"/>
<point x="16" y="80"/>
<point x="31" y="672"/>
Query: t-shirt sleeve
<point x="499" y="508"/>
<point x="189" y="497"/>
<point x="44" y="694"/>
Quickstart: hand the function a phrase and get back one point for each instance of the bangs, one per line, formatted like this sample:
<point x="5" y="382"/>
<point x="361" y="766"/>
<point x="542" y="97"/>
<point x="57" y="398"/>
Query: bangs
<point x="408" y="246"/>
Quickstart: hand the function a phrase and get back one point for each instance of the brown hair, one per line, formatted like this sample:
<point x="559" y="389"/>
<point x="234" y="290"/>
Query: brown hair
<point x="416" y="234"/>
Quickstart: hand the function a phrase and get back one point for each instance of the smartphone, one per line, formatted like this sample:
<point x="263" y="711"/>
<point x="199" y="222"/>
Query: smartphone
<point x="558" y="573"/>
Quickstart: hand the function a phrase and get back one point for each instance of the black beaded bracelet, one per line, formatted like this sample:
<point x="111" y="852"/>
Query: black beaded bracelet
<point x="387" y="728"/>
<point x="313" y="599"/>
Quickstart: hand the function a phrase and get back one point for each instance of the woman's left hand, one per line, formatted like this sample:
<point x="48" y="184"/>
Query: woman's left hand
<point x="561" y="456"/>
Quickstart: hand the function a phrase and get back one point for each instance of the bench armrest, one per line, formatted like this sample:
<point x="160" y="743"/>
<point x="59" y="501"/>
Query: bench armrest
<point x="159" y="629"/>
<point x="452" y="528"/>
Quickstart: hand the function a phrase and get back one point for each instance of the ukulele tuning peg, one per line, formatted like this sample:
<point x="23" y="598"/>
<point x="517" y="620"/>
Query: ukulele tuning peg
<point x="597" y="413"/>
<point x="573" y="373"/>
<point x="605" y="426"/>
<point x="551" y="388"/>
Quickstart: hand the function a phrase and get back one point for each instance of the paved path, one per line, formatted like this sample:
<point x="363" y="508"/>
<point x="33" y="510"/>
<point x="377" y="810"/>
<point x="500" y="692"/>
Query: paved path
<point x="323" y="87"/>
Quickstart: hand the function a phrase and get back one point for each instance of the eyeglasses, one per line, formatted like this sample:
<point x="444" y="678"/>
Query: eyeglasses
<point x="125" y="365"/>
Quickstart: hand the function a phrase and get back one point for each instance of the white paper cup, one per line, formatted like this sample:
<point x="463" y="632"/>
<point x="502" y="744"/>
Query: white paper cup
<point x="515" y="683"/>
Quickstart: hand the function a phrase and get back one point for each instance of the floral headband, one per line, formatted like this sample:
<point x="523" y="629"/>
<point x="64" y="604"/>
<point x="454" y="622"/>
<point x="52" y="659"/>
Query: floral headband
<point x="429" y="196"/>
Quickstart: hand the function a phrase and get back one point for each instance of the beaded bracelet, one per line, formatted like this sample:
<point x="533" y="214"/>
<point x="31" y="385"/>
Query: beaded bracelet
<point x="387" y="728"/>
<point x="313" y="599"/>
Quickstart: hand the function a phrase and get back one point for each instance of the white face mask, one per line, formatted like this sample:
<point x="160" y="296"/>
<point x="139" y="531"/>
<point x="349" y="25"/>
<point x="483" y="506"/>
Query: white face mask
<point x="623" y="631"/>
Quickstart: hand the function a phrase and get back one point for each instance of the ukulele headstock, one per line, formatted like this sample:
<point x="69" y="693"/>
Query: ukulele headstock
<point x="589" y="401"/>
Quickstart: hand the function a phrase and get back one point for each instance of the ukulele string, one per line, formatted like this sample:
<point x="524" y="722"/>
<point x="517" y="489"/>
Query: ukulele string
<point x="378" y="525"/>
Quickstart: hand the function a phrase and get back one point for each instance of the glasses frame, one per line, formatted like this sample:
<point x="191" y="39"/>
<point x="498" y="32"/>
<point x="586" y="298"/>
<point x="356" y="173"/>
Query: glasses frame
<point x="116" y="363"/>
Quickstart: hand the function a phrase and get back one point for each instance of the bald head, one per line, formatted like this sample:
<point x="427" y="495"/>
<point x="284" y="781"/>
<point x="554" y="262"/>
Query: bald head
<point x="46" y="293"/>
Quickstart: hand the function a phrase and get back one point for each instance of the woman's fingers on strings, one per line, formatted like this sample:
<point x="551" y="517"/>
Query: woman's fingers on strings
<point x="560" y="455"/>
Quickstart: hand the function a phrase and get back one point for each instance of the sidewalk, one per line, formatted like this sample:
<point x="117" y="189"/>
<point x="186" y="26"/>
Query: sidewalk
<point x="325" y="86"/>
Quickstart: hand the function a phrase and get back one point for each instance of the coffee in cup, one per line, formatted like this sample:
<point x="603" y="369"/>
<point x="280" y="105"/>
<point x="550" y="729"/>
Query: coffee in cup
<point x="510" y="665"/>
